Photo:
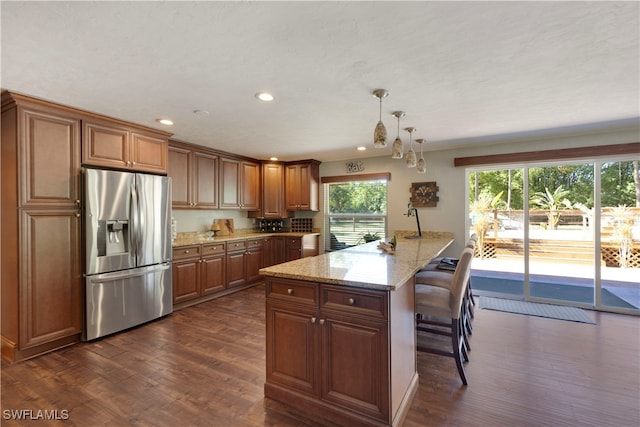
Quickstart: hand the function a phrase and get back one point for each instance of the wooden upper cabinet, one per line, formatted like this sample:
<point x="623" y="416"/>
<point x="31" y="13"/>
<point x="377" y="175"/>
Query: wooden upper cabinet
<point x="302" y="181"/>
<point x="114" y="145"/>
<point x="250" y="178"/>
<point x="229" y="183"/>
<point x="205" y="180"/>
<point x="239" y="184"/>
<point x="179" y="170"/>
<point x="194" y="178"/>
<point x="272" y="203"/>
<point x="50" y="154"/>
<point x="148" y="152"/>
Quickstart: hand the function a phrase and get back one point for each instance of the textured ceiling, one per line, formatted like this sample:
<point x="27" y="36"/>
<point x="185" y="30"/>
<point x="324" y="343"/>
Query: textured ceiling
<point x="464" y="72"/>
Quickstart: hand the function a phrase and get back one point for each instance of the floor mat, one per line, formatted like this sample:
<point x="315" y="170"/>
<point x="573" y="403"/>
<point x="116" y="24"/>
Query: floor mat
<point x="560" y="312"/>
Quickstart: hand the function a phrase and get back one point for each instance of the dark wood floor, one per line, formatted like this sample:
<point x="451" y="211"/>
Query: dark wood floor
<point x="204" y="366"/>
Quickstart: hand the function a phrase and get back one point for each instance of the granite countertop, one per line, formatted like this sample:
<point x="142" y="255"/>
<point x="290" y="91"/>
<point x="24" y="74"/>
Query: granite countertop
<point x="196" y="238"/>
<point x="366" y="266"/>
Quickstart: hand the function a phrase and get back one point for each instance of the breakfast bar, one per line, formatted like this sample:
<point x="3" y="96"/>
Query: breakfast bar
<point x="340" y="332"/>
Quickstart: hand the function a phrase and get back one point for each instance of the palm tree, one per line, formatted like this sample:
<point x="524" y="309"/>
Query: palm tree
<point x="552" y="202"/>
<point x="481" y="218"/>
<point x="623" y="233"/>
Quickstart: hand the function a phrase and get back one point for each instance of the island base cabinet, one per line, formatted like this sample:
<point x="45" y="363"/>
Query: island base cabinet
<point x="292" y="348"/>
<point x="330" y="350"/>
<point x="354" y="361"/>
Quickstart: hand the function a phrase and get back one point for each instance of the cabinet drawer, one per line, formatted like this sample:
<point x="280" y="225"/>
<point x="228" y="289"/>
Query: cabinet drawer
<point x="354" y="301"/>
<point x="236" y="245"/>
<point x="255" y="243"/>
<point x="184" y="252"/>
<point x="287" y="290"/>
<point x="214" y="249"/>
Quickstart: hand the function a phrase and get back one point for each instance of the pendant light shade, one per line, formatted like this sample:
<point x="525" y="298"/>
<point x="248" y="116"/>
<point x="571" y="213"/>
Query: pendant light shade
<point x="412" y="160"/>
<point x="398" y="148"/>
<point x="422" y="164"/>
<point x="380" y="132"/>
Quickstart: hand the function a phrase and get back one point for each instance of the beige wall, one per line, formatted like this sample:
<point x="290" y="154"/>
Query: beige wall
<point x="450" y="215"/>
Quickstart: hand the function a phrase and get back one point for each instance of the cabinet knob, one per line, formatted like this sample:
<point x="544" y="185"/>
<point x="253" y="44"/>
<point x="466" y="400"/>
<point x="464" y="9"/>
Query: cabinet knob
<point x="78" y="202"/>
<point x="133" y="163"/>
<point x="313" y="320"/>
<point x="351" y="301"/>
<point x="78" y="215"/>
<point x="186" y="252"/>
<point x="290" y="291"/>
<point x="322" y="321"/>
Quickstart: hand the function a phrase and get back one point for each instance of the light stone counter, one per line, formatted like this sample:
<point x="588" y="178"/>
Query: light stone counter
<point x="202" y="238"/>
<point x="366" y="266"/>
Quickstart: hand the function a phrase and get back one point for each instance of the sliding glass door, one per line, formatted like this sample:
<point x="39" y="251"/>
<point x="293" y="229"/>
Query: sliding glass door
<point x="561" y="244"/>
<point x="620" y="235"/>
<point x="564" y="233"/>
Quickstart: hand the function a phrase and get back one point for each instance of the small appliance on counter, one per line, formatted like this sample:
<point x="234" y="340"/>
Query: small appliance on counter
<point x="272" y="225"/>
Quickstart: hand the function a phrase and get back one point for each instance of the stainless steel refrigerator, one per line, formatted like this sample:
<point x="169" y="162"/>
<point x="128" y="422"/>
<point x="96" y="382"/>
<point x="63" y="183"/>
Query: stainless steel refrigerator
<point x="127" y="219"/>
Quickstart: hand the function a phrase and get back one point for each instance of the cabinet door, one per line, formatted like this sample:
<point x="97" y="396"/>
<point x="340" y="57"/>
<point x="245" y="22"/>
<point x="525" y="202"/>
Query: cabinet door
<point x="186" y="280"/>
<point x="179" y="170"/>
<point x="294" y="248"/>
<point x="292" y="187"/>
<point x="236" y="267"/>
<point x="51" y="276"/>
<point x="254" y="263"/>
<point x="304" y="186"/>
<point x="292" y="347"/>
<point x="105" y="144"/>
<point x="229" y="183"/>
<point x="355" y="364"/>
<point x="212" y="271"/>
<point x="50" y="155"/>
<point x="250" y="185"/>
<point x="268" y="256"/>
<point x="205" y="180"/>
<point x="279" y="250"/>
<point x="148" y="153"/>
<point x="273" y="190"/>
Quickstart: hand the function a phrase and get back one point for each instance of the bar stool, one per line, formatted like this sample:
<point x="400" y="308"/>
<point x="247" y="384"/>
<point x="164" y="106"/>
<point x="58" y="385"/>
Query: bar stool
<point x="439" y="311"/>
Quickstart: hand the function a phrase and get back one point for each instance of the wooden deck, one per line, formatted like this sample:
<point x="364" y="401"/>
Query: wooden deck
<point x="205" y="366"/>
<point x="555" y="250"/>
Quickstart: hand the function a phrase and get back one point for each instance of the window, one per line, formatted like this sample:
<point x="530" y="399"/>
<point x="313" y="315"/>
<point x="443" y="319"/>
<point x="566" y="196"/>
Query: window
<point x="356" y="212"/>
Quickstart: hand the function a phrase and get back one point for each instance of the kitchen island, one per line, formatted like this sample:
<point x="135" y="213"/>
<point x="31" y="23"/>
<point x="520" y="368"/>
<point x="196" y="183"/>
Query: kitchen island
<point x="340" y="332"/>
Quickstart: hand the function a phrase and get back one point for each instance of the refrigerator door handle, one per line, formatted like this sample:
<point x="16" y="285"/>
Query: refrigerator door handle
<point x="133" y="215"/>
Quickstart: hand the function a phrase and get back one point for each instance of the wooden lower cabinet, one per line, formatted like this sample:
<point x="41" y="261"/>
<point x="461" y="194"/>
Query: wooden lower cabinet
<point x="45" y="311"/>
<point x="236" y="263"/>
<point x="198" y="271"/>
<point x="329" y="351"/>
<point x="301" y="246"/>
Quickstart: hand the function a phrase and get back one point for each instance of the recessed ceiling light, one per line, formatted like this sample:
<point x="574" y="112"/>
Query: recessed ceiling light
<point x="273" y="159"/>
<point x="165" y="122"/>
<point x="201" y="112"/>
<point x="265" y="96"/>
<point x="361" y="148"/>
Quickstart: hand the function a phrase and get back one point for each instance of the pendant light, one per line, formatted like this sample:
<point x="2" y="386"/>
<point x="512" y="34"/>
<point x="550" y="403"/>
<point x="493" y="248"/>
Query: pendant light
<point x="380" y="133"/>
<point x="398" y="149"/>
<point x="422" y="164"/>
<point x="411" y="155"/>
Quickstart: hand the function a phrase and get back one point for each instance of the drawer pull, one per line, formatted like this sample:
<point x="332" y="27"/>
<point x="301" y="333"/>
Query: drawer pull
<point x="322" y="321"/>
<point x="351" y="301"/>
<point x="290" y="291"/>
<point x="186" y="252"/>
<point x="313" y="320"/>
